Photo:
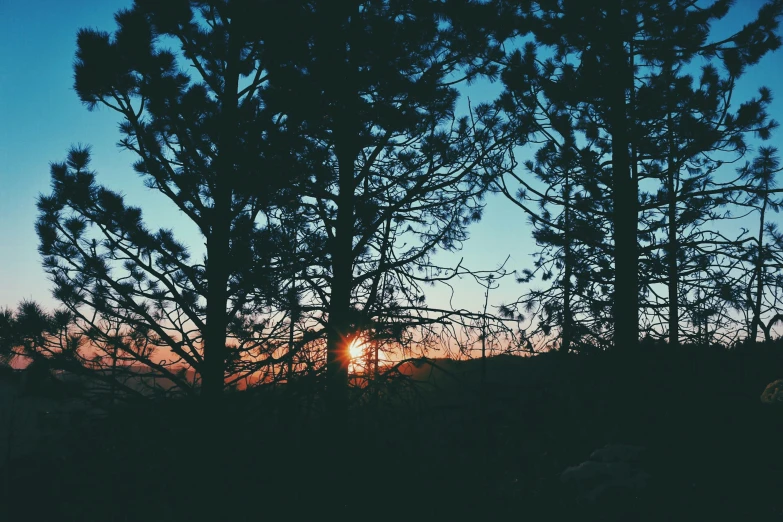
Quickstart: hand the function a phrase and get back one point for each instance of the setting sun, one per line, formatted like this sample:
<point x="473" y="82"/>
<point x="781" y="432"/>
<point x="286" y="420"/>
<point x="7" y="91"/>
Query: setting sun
<point x="355" y="348"/>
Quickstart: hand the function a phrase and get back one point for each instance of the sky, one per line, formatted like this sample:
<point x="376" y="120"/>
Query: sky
<point x="41" y="117"/>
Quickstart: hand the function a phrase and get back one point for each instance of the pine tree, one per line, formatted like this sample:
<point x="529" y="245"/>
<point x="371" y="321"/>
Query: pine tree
<point x="567" y="222"/>
<point x="764" y="252"/>
<point x="692" y="129"/>
<point x="393" y="174"/>
<point x="599" y="59"/>
<point x="200" y="141"/>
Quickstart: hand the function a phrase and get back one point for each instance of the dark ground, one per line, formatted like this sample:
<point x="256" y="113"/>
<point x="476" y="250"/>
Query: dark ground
<point x="713" y="451"/>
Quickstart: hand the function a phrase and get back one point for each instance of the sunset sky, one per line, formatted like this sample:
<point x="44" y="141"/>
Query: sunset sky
<point x="41" y="117"/>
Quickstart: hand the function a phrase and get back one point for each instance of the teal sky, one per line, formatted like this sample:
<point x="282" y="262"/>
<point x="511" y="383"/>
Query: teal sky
<point x="41" y="117"/>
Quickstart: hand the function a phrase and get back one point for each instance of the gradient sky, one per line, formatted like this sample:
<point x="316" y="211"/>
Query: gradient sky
<point x="41" y="117"/>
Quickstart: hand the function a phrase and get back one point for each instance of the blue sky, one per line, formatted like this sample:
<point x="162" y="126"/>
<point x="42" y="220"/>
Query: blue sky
<point x="41" y="117"/>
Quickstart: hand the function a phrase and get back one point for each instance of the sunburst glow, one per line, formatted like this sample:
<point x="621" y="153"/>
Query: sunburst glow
<point x="356" y="348"/>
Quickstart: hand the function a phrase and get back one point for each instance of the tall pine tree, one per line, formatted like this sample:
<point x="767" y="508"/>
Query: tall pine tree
<point x="596" y="57"/>
<point x="195" y="120"/>
<point x="395" y="175"/>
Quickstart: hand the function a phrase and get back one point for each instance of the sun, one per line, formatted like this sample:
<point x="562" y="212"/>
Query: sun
<point x="356" y="348"/>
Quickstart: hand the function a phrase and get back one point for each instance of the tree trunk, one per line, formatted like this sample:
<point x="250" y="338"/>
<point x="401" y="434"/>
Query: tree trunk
<point x="625" y="215"/>
<point x="484" y="344"/>
<point x="337" y="340"/>
<point x="218" y="240"/>
<point x="673" y="246"/>
<point x="568" y="261"/>
<point x="215" y="329"/>
<point x="293" y="304"/>
<point x="346" y="149"/>
<point x="217" y="274"/>
<point x="758" y="274"/>
<point x="673" y="276"/>
<point x="291" y="350"/>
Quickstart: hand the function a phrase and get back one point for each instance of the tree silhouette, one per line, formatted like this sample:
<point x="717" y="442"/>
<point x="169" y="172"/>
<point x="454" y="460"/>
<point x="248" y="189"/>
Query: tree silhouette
<point x="202" y="141"/>
<point x="48" y="342"/>
<point x="594" y="73"/>
<point x="565" y="208"/>
<point x="701" y="131"/>
<point x="7" y="334"/>
<point x="393" y="174"/>
<point x="763" y="252"/>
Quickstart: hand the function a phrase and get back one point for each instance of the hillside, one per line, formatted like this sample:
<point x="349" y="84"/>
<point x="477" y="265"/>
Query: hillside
<point x="708" y="449"/>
